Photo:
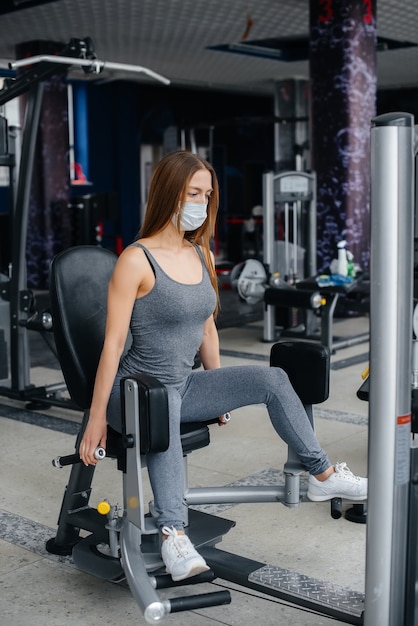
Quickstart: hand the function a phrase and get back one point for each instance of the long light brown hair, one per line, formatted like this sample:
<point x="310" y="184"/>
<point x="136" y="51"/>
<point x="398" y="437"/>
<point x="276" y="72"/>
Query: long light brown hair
<point x="168" y="188"/>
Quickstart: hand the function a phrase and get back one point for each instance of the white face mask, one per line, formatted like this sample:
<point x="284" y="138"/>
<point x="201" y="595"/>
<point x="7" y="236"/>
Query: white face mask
<point x="192" y="216"/>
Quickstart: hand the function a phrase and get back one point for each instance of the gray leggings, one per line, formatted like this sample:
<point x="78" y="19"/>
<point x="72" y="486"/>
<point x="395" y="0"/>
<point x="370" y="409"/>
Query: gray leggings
<point x="209" y="394"/>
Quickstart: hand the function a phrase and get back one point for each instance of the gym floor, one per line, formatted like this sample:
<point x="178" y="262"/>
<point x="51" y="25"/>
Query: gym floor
<point x="44" y="590"/>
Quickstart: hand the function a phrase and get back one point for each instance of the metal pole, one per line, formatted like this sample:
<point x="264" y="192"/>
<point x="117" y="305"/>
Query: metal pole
<point x="311" y="239"/>
<point x="20" y="366"/>
<point x="392" y="201"/>
<point x="71" y="140"/>
<point x="297" y="212"/>
<point x="269" y="315"/>
<point x="268" y="219"/>
<point x="286" y="242"/>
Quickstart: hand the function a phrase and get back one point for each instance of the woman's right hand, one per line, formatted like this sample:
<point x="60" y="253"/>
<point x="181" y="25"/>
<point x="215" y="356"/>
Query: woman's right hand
<point x="94" y="436"/>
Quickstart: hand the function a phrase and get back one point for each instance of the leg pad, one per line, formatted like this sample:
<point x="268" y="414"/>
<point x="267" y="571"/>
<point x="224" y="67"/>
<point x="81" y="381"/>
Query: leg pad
<point x="307" y="363"/>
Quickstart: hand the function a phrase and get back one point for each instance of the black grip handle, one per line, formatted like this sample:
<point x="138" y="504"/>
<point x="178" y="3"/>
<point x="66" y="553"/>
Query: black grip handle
<point x="72" y="459"/>
<point x="164" y="581"/>
<point x="202" y="601"/>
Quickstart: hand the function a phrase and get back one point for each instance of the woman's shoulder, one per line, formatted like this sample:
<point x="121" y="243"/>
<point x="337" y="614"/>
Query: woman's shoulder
<point x="206" y="253"/>
<point x="138" y="244"/>
<point x="132" y="267"/>
<point x="145" y="243"/>
<point x="149" y="243"/>
<point x="133" y="254"/>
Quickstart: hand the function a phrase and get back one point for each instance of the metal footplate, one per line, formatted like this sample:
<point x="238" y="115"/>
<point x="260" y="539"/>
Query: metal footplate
<point x="319" y="596"/>
<point x="314" y="591"/>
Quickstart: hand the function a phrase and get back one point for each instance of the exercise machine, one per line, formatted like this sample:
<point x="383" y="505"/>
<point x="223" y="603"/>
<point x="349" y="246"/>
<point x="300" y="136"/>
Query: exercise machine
<point x="287" y="277"/>
<point x="124" y="542"/>
<point x="289" y="204"/>
<point x="289" y="246"/>
<point x="22" y="315"/>
<point x="390" y="595"/>
<point x="289" y="224"/>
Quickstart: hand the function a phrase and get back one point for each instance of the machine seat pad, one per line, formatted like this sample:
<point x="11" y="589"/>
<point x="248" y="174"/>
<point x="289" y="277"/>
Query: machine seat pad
<point x="194" y="435"/>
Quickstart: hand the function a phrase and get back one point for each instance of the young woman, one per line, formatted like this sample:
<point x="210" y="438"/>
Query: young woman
<point x="164" y="289"/>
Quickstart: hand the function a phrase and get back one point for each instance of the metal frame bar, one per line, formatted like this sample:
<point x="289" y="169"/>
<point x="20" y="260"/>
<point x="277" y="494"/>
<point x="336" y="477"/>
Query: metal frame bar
<point x="392" y="202"/>
<point x="92" y="65"/>
<point x="20" y="364"/>
<point x="47" y="66"/>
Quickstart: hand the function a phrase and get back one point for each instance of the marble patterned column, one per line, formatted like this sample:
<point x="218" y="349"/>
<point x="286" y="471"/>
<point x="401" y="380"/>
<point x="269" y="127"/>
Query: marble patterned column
<point x="343" y="101"/>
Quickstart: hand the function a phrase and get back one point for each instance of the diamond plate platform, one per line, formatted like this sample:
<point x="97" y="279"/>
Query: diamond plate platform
<point x="319" y="596"/>
<point x="306" y="588"/>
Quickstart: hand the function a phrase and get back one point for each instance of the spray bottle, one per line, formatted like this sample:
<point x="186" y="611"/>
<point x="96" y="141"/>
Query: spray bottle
<point x="342" y="258"/>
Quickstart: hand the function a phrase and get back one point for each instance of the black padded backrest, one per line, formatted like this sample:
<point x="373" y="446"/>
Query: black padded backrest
<point x="79" y="278"/>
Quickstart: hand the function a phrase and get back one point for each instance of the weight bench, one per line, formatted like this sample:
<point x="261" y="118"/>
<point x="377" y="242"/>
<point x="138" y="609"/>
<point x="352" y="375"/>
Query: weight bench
<point x="123" y="542"/>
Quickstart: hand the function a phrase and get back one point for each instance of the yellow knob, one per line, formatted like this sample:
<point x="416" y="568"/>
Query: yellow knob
<point x="365" y="372"/>
<point x="103" y="507"/>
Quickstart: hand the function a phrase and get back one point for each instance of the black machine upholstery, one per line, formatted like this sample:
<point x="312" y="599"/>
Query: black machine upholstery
<point x="78" y="294"/>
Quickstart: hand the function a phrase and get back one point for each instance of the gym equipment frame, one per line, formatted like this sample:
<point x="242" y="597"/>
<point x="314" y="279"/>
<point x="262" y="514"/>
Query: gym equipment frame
<point x="391" y="557"/>
<point x="78" y="53"/>
<point x="295" y="194"/>
<point x="130" y="538"/>
<point x="391" y="596"/>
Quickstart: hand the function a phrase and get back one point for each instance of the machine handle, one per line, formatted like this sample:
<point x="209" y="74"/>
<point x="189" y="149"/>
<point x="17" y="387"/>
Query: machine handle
<point x="164" y="581"/>
<point x="204" y="600"/>
<point x="291" y="297"/>
<point x="72" y="459"/>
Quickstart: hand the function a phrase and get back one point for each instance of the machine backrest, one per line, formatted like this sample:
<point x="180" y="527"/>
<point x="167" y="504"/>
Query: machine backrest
<point x="79" y="278"/>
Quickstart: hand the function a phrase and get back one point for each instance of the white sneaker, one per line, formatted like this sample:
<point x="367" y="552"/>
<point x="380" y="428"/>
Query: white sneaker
<point x="342" y="484"/>
<point x="180" y="558"/>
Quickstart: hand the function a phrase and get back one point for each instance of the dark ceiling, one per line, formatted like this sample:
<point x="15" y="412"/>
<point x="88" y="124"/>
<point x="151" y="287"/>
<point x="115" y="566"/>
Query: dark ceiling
<point x="180" y="39"/>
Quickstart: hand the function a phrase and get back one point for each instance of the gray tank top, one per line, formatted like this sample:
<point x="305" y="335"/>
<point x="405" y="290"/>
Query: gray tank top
<point x="167" y="325"/>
